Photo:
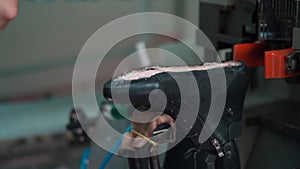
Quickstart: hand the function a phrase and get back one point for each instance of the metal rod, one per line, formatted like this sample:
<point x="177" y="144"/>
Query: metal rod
<point x="276" y="8"/>
<point x="138" y="163"/>
<point x="285" y="8"/>
<point x="293" y="8"/>
<point x="288" y="8"/>
<point x="279" y="9"/>
<point x="154" y="162"/>
<point x="282" y="8"/>
<point x="297" y="13"/>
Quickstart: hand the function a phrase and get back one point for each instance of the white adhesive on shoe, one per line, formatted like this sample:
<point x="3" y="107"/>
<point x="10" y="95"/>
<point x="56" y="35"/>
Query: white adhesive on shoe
<point x="151" y="71"/>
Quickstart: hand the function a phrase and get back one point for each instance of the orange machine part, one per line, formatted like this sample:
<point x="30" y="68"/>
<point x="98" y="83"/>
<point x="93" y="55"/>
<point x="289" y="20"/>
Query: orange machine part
<point x="252" y="54"/>
<point x="275" y="64"/>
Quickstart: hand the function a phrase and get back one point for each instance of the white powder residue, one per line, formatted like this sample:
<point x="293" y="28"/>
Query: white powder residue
<point x="151" y="71"/>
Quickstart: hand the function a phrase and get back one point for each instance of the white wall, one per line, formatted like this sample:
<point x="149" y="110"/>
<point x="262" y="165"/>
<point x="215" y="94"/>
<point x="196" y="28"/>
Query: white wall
<point x="38" y="50"/>
<point x="45" y="35"/>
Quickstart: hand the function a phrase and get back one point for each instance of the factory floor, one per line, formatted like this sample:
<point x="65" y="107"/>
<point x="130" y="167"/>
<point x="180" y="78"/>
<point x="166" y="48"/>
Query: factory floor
<point x="44" y="152"/>
<point x="36" y="138"/>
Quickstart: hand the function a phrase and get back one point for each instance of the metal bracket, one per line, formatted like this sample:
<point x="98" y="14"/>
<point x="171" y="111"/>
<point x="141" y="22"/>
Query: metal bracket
<point x="293" y="62"/>
<point x="218" y="148"/>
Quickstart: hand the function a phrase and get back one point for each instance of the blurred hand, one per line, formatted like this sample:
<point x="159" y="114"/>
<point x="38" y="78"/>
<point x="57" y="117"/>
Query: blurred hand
<point x="8" y="11"/>
<point x="146" y="129"/>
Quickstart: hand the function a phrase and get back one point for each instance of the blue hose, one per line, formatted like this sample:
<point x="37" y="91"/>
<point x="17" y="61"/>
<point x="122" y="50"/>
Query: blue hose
<point x="113" y="149"/>
<point x="84" y="158"/>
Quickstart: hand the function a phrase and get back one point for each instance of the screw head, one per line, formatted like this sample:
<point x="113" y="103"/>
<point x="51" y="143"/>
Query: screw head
<point x="230" y="111"/>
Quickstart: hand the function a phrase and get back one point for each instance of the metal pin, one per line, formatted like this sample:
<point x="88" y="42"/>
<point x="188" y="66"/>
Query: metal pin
<point x="285" y="8"/>
<point x="289" y="8"/>
<point x="276" y="9"/>
<point x="279" y="9"/>
<point x="297" y="13"/>
<point x="293" y="8"/>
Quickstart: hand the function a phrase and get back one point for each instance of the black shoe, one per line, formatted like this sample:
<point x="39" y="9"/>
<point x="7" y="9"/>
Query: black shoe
<point x="140" y="87"/>
<point x="229" y="127"/>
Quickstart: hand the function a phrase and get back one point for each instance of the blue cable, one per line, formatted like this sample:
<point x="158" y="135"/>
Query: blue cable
<point x="113" y="149"/>
<point x="84" y="158"/>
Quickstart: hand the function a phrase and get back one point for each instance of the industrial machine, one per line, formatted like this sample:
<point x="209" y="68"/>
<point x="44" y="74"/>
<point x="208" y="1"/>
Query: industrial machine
<point x="260" y="33"/>
<point x="263" y="32"/>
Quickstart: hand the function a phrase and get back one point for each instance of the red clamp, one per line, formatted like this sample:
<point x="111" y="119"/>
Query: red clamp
<point x="257" y="54"/>
<point x="252" y="54"/>
<point x="275" y="64"/>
